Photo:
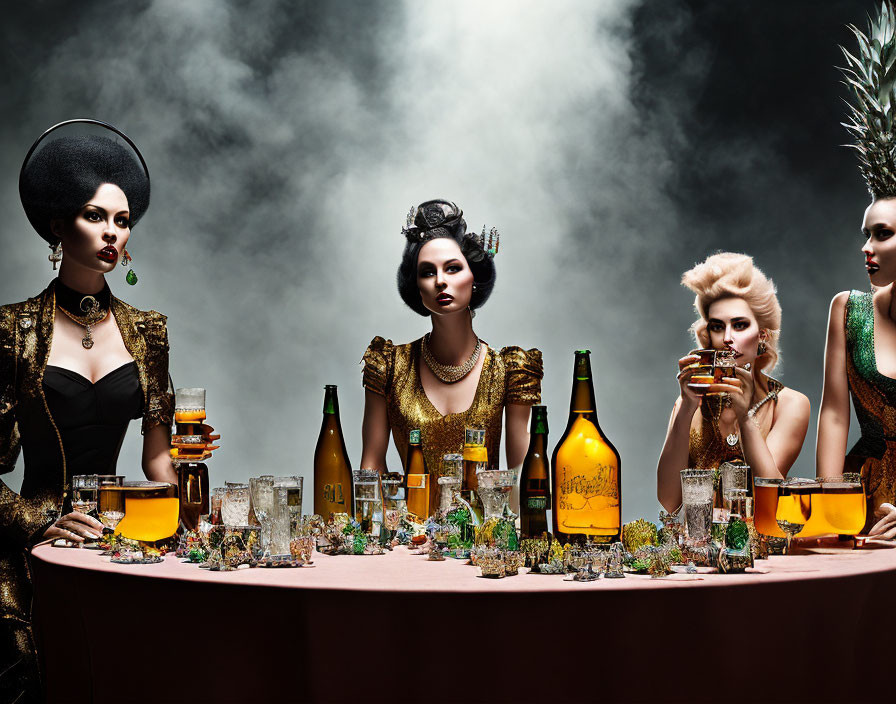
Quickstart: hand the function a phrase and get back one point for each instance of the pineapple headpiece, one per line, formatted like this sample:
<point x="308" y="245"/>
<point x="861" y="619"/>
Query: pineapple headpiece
<point x="871" y="76"/>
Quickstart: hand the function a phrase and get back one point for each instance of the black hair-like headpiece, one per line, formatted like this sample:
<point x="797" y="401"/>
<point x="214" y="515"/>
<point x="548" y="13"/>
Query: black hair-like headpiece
<point x="59" y="177"/>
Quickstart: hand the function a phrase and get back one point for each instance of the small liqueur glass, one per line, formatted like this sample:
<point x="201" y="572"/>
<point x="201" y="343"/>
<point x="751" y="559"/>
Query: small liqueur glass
<point x="235" y="507"/>
<point x="696" y="498"/>
<point x="722" y="367"/>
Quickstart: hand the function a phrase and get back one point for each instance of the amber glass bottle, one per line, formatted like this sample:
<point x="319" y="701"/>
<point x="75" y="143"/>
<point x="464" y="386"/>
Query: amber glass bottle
<point x="535" y="490"/>
<point x="417" y="479"/>
<point x="587" y="497"/>
<point x="332" y="470"/>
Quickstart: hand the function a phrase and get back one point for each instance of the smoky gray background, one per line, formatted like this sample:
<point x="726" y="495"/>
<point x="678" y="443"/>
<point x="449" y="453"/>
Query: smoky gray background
<point x="614" y="144"/>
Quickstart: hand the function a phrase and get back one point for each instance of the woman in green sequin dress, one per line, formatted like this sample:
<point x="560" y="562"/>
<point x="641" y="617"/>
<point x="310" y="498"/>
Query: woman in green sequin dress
<point x="860" y="362"/>
<point x="860" y="356"/>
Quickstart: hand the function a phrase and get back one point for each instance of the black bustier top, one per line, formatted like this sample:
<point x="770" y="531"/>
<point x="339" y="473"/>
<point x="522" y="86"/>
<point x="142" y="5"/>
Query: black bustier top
<point x="93" y="417"/>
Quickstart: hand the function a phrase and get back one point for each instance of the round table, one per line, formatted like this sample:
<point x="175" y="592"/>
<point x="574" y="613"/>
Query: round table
<point x="809" y="626"/>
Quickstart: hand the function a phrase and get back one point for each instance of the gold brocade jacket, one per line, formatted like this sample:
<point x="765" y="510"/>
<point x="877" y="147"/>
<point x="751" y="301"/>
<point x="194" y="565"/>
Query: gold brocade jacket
<point x="509" y="376"/>
<point x="26" y="334"/>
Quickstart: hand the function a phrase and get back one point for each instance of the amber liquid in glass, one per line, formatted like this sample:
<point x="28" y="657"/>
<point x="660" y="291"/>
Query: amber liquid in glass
<point x="149" y="519"/>
<point x="794" y="507"/>
<point x="110" y="505"/>
<point x="765" y="506"/>
<point x="587" y="500"/>
<point x="189" y="416"/>
<point x="332" y="469"/>
<point x="843" y="508"/>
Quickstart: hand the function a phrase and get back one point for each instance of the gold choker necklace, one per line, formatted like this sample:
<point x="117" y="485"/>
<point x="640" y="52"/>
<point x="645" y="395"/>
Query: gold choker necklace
<point x="91" y="307"/>
<point x="449" y="373"/>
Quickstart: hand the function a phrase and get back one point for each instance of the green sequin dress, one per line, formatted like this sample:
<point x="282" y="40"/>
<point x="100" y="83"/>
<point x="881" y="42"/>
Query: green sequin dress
<point x="874" y="400"/>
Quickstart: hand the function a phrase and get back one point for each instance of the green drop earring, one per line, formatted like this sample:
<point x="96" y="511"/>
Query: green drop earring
<point x="126" y="260"/>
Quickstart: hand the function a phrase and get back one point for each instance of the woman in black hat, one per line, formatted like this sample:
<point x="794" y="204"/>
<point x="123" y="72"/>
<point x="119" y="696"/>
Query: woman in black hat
<point x="76" y="363"/>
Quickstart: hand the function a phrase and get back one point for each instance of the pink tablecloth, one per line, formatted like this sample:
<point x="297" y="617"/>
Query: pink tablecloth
<point x="808" y="627"/>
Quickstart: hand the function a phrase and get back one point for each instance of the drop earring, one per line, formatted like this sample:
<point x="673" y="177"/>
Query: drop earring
<point x="55" y="254"/>
<point x="762" y="349"/>
<point x="126" y="260"/>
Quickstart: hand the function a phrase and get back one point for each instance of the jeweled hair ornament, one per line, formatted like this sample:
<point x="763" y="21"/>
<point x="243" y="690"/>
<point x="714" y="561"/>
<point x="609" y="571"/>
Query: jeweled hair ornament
<point x="871" y="77"/>
<point x="441" y="218"/>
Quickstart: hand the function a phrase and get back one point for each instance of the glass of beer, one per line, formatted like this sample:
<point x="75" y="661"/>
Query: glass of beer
<point x="110" y="501"/>
<point x="843" y="504"/>
<point x="794" y="505"/>
<point x="765" y="506"/>
<point x="151" y="511"/>
<point x="189" y="405"/>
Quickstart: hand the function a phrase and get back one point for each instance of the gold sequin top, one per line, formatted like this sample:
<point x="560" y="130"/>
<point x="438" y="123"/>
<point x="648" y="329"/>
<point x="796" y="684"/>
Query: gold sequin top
<point x="512" y="375"/>
<point x="874" y="399"/>
<point x="26" y="334"/>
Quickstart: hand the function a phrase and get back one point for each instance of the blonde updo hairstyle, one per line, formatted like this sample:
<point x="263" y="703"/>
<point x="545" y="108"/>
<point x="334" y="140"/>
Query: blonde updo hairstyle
<point x="730" y="275"/>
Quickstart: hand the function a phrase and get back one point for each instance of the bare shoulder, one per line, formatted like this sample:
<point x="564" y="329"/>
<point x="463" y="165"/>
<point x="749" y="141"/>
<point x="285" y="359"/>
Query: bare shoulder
<point x="838" y="303"/>
<point x="792" y="402"/>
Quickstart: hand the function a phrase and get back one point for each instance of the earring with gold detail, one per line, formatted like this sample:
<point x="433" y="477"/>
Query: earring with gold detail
<point x="126" y="260"/>
<point x="55" y="254"/>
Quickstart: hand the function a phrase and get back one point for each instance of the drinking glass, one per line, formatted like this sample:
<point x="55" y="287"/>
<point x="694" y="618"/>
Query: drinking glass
<point x="722" y="367"/>
<point x="794" y="505"/>
<point x="702" y="377"/>
<point x="368" y="500"/>
<point x="293" y="485"/>
<point x="151" y="511"/>
<point x="279" y="544"/>
<point x="696" y="499"/>
<point x="450" y="480"/>
<point x="261" y="497"/>
<point x="843" y="503"/>
<point x="110" y="499"/>
<point x="707" y="356"/>
<point x="235" y="507"/>
<point x="189" y="405"/>
<point x="84" y="491"/>
<point x="217" y="502"/>
<point x="495" y="486"/>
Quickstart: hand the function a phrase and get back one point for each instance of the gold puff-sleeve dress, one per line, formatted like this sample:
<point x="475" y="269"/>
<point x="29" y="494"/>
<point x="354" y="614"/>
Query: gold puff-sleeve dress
<point x="511" y="376"/>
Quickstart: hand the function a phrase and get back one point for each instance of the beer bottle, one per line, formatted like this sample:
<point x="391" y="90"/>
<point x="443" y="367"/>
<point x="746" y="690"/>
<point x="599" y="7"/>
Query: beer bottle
<point x="535" y="490"/>
<point x="417" y="479"/>
<point x="587" y="498"/>
<point x="332" y="469"/>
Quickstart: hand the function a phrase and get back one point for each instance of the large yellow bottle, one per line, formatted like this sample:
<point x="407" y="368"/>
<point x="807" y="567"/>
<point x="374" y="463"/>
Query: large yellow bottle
<point x="587" y="484"/>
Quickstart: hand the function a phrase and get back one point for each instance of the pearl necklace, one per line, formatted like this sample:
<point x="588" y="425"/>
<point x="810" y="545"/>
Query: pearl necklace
<point x="449" y="373"/>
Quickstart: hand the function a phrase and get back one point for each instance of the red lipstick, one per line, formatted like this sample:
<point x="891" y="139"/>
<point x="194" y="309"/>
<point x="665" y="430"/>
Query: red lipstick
<point x="108" y="254"/>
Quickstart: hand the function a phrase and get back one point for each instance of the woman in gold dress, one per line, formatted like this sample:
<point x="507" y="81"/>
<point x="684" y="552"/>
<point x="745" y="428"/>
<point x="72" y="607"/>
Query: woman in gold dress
<point x="448" y="379"/>
<point x="757" y="419"/>
<point x="76" y="365"/>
